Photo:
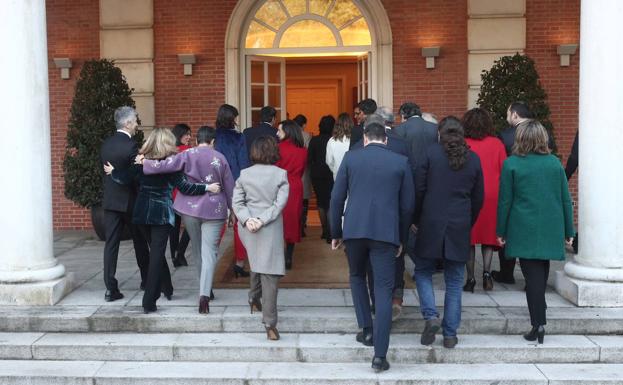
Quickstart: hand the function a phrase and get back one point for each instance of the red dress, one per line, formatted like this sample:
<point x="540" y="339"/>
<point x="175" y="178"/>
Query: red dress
<point x="293" y="160"/>
<point x="492" y="154"/>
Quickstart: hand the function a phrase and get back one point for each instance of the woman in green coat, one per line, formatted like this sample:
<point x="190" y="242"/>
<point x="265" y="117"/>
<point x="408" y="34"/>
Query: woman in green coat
<point x="535" y="216"/>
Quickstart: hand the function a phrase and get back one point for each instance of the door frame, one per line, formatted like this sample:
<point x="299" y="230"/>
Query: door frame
<point x="381" y="60"/>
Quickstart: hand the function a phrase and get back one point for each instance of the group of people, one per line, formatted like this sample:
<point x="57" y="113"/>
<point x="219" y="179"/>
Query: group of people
<point x="432" y="191"/>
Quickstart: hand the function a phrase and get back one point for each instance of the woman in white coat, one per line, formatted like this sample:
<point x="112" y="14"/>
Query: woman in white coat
<point x="260" y="194"/>
<point x="339" y="143"/>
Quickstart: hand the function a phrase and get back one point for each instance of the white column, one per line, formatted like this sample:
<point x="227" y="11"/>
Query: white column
<point x="595" y="278"/>
<point x="29" y="273"/>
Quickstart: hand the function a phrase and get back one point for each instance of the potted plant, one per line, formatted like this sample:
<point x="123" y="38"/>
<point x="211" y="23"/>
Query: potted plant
<point x="510" y="79"/>
<point x="100" y="89"/>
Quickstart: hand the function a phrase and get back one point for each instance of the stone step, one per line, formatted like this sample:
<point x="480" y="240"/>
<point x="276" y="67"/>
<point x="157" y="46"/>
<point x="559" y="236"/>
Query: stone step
<point x="329" y="348"/>
<point x="293" y="319"/>
<point x="264" y="373"/>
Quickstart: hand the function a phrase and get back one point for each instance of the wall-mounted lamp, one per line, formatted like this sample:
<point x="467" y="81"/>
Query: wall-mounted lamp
<point x="430" y="53"/>
<point x="565" y="51"/>
<point x="188" y="59"/>
<point x="64" y="64"/>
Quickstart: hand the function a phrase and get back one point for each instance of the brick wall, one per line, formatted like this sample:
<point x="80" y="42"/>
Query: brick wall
<point x="73" y="31"/>
<point x="549" y="24"/>
<point x="428" y="23"/>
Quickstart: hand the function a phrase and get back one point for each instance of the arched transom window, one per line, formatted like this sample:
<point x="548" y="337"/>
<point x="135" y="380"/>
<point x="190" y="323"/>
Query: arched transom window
<point x="307" y="23"/>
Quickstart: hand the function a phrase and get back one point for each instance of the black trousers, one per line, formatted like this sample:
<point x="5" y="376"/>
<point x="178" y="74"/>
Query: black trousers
<point x="158" y="275"/>
<point x="178" y="244"/>
<point x="114" y="222"/>
<point x="382" y="257"/>
<point x="535" y="272"/>
<point x="507" y="266"/>
<point x="399" y="279"/>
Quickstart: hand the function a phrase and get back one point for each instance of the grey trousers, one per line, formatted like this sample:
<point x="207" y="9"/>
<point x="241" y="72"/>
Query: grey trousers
<point x="205" y="238"/>
<point x="265" y="286"/>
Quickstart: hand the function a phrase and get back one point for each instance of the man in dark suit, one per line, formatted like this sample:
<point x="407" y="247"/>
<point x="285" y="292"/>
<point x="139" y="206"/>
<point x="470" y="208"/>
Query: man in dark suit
<point x="366" y="108"/>
<point x="265" y="128"/>
<point x="417" y="132"/>
<point x="118" y="203"/>
<point x="379" y="187"/>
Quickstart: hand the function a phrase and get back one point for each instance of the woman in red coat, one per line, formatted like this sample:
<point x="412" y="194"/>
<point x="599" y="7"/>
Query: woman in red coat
<point x="479" y="133"/>
<point x="293" y="159"/>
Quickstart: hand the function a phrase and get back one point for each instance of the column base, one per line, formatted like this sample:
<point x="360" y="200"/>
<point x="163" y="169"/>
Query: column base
<point x="589" y="293"/>
<point x="37" y="293"/>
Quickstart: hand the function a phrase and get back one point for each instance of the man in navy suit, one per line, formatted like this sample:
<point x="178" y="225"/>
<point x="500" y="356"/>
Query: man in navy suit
<point x="379" y="187"/>
<point x="417" y="132"/>
<point x="265" y="128"/>
<point x="118" y="201"/>
<point x="366" y="108"/>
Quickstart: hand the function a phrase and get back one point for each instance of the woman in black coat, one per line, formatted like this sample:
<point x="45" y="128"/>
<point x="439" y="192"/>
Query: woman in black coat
<point x="321" y="175"/>
<point x="449" y="195"/>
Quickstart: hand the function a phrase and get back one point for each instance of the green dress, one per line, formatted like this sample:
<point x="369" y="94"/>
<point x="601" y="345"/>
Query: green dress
<point x="534" y="207"/>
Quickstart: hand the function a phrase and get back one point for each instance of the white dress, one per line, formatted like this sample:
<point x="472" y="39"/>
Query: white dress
<point x="335" y="153"/>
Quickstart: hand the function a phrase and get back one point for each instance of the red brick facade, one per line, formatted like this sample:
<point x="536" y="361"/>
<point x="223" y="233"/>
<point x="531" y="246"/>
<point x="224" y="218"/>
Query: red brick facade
<point x="199" y="26"/>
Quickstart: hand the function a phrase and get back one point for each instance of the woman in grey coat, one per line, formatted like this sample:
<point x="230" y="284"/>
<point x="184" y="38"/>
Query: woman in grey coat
<point x="259" y="197"/>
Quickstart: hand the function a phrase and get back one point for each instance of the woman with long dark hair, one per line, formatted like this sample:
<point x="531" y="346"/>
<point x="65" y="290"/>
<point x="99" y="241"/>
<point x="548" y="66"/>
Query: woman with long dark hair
<point x="534" y="204"/>
<point x="231" y="143"/>
<point x="449" y="194"/>
<point x="293" y="158"/>
<point x="479" y="136"/>
<point x="321" y="176"/>
<point x="178" y="244"/>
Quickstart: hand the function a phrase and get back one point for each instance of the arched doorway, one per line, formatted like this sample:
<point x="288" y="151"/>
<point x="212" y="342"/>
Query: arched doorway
<point x="258" y="30"/>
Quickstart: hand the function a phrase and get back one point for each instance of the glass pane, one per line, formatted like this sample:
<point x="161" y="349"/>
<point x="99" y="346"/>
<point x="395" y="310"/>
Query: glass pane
<point x="257" y="96"/>
<point x="255" y="118"/>
<point x="274" y="96"/>
<point x="257" y="72"/>
<point x="319" y="7"/>
<point x="357" y="33"/>
<point x="308" y="33"/>
<point x="272" y="14"/>
<point x="274" y="72"/>
<point x="296" y="7"/>
<point x="259" y="36"/>
<point x="343" y="12"/>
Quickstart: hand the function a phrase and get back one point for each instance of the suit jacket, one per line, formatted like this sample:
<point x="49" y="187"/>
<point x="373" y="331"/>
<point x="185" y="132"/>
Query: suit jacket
<point x="120" y="150"/>
<point x="419" y="135"/>
<point x="263" y="129"/>
<point x="572" y="160"/>
<point x="232" y="144"/>
<point x="447" y="204"/>
<point x="507" y="136"/>
<point x="379" y="187"/>
<point x="262" y="192"/>
<point x="394" y="143"/>
<point x="356" y="134"/>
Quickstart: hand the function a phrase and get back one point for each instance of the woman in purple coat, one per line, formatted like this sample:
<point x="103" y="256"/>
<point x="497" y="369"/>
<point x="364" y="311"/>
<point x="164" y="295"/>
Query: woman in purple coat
<point x="203" y="216"/>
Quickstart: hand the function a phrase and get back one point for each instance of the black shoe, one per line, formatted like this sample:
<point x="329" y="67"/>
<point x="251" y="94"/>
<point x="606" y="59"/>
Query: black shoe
<point x="148" y="310"/>
<point x="380" y="364"/>
<point x="537" y="333"/>
<point x="469" y="285"/>
<point x="142" y="287"/>
<point x="365" y="338"/>
<point x="168" y="296"/>
<point x="499" y="277"/>
<point x="450" y="342"/>
<point x="431" y="328"/>
<point x="211" y="295"/>
<point x="288" y="263"/>
<point x="239" y="271"/>
<point x="181" y="260"/>
<point x="110" y="296"/>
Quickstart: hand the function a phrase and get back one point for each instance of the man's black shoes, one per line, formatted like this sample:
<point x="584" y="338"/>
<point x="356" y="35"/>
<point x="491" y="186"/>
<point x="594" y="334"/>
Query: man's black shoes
<point x="112" y="295"/>
<point x="365" y="337"/>
<point x="501" y="278"/>
<point x="379" y="364"/>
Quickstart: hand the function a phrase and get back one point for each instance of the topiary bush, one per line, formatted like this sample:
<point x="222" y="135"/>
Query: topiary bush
<point x="100" y="89"/>
<point x="513" y="78"/>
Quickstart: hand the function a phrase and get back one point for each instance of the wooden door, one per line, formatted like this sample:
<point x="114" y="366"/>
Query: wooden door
<point x="314" y="100"/>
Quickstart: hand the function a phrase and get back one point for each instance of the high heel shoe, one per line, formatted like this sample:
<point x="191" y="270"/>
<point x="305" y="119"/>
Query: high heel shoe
<point x="469" y="285"/>
<point x="272" y="333"/>
<point x="255" y="305"/>
<point x="211" y="295"/>
<point x="487" y="281"/>
<point x="240" y="271"/>
<point x="536" y="334"/>
<point x="204" y="304"/>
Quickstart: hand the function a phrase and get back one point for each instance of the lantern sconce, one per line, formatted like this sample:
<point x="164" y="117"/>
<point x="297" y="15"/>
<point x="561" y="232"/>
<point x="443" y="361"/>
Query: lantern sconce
<point x="430" y="53"/>
<point x="64" y="64"/>
<point x="565" y="51"/>
<point x="187" y="59"/>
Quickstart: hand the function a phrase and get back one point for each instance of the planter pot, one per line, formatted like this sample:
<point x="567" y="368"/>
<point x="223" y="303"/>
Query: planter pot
<point x="97" y="219"/>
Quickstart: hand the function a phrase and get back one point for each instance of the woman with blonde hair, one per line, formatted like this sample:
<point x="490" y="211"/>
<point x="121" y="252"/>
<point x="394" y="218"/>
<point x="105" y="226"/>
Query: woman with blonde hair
<point x="339" y="143"/>
<point x="534" y="216"/>
<point x="153" y="212"/>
